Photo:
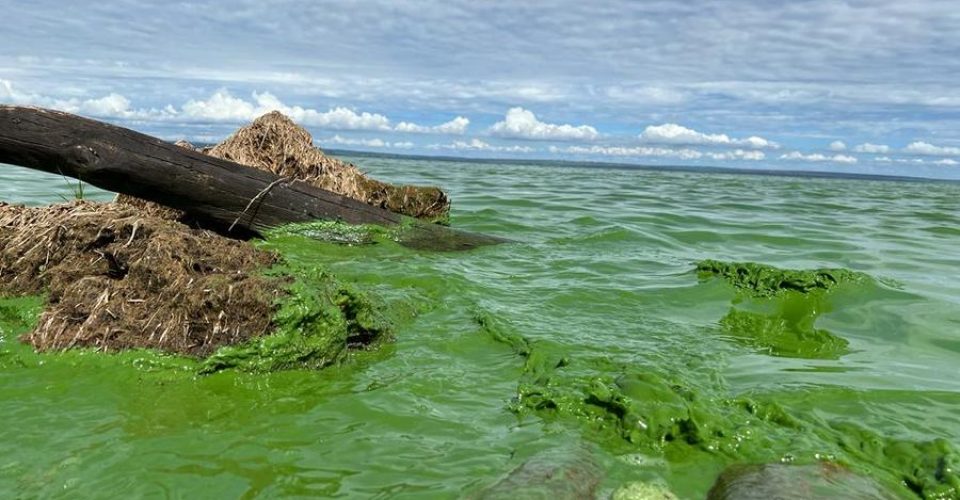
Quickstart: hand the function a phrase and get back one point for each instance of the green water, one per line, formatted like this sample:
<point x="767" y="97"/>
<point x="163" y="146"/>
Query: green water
<point x="603" y="273"/>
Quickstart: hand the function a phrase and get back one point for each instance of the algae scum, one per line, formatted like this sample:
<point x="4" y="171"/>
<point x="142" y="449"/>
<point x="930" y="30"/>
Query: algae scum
<point x="604" y="348"/>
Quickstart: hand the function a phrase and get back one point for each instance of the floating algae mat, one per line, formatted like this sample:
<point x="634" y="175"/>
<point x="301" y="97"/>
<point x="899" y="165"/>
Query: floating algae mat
<point x="602" y="294"/>
<point x="634" y="407"/>
<point x="796" y="297"/>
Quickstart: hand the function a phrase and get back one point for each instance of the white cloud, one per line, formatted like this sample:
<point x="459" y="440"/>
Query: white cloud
<point x="110" y="105"/>
<point x="838" y="146"/>
<point x="369" y="143"/>
<point x="817" y="157"/>
<point x="757" y="142"/>
<point x="738" y="154"/>
<point x="520" y="123"/>
<point x="221" y="106"/>
<point x="925" y="148"/>
<point x="887" y="159"/>
<point x="478" y="145"/>
<point x="457" y="126"/>
<point x="671" y="133"/>
<point x="946" y="161"/>
<point x="635" y="151"/>
<point x="872" y="148"/>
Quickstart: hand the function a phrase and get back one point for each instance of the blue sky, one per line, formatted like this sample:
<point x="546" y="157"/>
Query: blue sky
<point x="857" y="86"/>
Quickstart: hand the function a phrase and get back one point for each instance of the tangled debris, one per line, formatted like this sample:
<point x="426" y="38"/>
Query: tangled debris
<point x="119" y="278"/>
<point x="273" y="142"/>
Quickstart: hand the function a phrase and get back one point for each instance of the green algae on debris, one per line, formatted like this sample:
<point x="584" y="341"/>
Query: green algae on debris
<point x="687" y="419"/>
<point x="759" y="280"/>
<point x="333" y="232"/>
<point x="316" y="325"/>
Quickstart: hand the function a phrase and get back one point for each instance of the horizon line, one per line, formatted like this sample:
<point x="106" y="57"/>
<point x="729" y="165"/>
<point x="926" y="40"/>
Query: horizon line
<point x="706" y="169"/>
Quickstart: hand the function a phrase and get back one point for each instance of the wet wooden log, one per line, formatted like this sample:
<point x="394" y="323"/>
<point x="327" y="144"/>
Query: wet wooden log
<point x="222" y="195"/>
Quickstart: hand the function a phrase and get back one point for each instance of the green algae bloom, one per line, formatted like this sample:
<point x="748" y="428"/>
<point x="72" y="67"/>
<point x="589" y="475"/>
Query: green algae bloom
<point x="687" y="419"/>
<point x="759" y="280"/>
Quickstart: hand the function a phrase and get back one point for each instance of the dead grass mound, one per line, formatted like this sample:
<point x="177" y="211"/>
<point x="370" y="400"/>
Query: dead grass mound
<point x="120" y="278"/>
<point x="273" y="142"/>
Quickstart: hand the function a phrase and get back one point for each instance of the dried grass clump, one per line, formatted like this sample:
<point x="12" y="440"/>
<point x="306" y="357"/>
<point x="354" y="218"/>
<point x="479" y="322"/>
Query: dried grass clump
<point x="119" y="278"/>
<point x="273" y="142"/>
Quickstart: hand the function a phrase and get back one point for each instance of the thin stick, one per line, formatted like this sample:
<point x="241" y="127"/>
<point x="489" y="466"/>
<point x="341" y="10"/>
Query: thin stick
<point x="253" y="200"/>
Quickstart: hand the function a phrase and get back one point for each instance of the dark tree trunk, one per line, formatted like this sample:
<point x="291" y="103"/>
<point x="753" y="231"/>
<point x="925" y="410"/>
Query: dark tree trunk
<point x="226" y="196"/>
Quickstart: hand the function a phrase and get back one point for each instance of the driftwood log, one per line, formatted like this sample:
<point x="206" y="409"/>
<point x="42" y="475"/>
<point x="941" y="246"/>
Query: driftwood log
<point x="225" y="196"/>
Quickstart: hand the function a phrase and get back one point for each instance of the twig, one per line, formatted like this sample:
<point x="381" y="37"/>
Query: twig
<point x="133" y="233"/>
<point x="253" y="200"/>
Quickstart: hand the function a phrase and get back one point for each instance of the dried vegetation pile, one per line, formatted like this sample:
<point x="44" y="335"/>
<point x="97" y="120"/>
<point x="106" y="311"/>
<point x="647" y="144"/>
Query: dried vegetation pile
<point x="118" y="278"/>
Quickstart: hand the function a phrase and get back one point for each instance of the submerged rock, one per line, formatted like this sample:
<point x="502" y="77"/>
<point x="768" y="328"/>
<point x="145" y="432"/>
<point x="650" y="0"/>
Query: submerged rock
<point x="563" y="474"/>
<point x="794" y="482"/>
<point x="642" y="491"/>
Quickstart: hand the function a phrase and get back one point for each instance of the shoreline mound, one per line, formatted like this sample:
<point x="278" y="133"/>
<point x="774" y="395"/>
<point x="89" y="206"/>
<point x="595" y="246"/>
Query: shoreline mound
<point x="273" y="142"/>
<point x="134" y="274"/>
<point x="117" y="278"/>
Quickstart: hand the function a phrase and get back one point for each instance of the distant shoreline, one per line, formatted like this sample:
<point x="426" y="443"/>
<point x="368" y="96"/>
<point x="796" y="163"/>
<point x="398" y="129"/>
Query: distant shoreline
<point x="657" y="168"/>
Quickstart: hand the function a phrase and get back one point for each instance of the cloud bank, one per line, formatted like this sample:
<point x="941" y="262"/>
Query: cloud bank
<point x="666" y="141"/>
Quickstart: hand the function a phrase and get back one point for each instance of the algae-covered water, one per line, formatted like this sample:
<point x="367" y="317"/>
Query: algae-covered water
<point x="594" y="331"/>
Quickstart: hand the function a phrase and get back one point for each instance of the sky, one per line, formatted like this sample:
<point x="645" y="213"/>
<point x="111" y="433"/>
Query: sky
<point x="845" y="86"/>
